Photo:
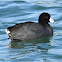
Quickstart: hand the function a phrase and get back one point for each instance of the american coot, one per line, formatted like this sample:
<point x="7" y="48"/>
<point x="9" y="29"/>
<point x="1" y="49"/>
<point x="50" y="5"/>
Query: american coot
<point x="31" y="30"/>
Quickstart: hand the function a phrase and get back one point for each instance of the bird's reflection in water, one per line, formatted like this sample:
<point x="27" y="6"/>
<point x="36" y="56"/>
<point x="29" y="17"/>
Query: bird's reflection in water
<point x="40" y="43"/>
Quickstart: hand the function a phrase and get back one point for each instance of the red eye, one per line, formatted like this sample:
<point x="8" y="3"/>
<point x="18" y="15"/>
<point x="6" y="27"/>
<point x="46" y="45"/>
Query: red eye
<point x="46" y="17"/>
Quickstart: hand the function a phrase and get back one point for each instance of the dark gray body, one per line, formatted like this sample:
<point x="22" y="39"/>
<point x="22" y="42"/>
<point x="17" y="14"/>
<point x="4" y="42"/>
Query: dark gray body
<point x="29" y="30"/>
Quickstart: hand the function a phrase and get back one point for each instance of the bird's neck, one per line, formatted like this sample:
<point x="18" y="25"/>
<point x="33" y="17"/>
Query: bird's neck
<point x="43" y="22"/>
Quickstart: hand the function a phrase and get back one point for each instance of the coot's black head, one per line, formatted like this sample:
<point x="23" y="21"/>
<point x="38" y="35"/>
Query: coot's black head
<point x="44" y="18"/>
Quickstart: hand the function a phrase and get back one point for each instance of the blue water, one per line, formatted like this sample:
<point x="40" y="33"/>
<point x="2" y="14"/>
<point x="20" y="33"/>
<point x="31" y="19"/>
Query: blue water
<point x="47" y="49"/>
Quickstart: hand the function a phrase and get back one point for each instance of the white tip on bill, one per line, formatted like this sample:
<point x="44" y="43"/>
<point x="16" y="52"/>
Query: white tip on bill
<point x="51" y="20"/>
